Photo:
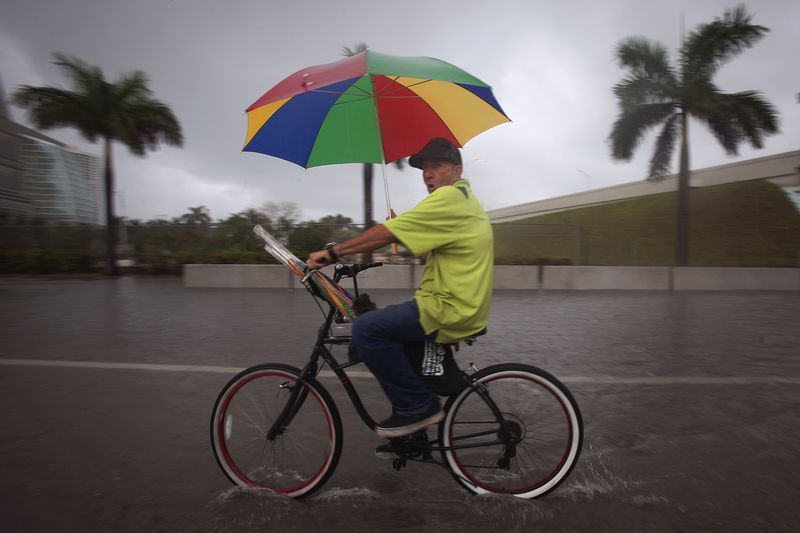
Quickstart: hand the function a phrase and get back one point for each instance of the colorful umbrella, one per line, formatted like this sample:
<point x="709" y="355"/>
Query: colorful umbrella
<point x="369" y="108"/>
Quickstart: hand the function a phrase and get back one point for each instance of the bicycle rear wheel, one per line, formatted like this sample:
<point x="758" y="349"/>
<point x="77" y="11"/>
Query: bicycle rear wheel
<point x="297" y="461"/>
<point x="517" y="431"/>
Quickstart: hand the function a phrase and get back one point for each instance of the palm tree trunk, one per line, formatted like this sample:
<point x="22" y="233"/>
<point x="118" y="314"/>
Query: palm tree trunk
<point x="682" y="231"/>
<point x="367" y="256"/>
<point x="111" y="221"/>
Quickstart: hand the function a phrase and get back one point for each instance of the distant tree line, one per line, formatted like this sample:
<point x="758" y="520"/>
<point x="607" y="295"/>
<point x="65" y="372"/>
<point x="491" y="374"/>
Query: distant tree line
<point x="163" y="245"/>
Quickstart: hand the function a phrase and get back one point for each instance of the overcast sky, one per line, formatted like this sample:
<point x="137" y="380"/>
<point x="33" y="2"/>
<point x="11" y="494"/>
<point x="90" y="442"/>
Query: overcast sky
<point x="550" y="65"/>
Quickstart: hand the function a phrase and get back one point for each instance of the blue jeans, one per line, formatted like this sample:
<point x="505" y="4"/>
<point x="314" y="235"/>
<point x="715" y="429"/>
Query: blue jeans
<point x="378" y="336"/>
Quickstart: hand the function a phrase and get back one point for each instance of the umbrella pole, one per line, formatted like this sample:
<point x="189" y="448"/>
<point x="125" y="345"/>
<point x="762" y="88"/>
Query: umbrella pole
<point x="388" y="202"/>
<point x="383" y="162"/>
<point x="386" y="190"/>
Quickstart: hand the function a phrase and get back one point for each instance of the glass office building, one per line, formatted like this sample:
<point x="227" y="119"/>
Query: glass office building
<point x="12" y="201"/>
<point x="43" y="180"/>
<point x="62" y="184"/>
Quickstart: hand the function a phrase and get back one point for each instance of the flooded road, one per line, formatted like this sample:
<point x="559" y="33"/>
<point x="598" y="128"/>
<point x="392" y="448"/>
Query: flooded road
<point x="691" y="405"/>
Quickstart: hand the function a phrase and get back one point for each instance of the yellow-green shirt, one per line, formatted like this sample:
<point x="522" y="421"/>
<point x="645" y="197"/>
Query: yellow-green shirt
<point x="455" y="292"/>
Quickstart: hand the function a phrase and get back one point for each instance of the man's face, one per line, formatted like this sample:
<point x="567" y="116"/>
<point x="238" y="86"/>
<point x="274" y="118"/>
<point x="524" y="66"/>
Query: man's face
<point x="439" y="173"/>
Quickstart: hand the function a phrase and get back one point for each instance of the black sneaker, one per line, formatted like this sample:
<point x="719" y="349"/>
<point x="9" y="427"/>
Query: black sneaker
<point x="400" y="425"/>
<point x="392" y="448"/>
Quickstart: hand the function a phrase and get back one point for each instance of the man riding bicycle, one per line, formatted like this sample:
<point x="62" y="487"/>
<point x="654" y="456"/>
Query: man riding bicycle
<point x="451" y="230"/>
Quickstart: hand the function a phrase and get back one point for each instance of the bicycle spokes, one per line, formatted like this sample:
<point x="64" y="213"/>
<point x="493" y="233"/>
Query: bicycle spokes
<point x="271" y="431"/>
<point x="516" y="433"/>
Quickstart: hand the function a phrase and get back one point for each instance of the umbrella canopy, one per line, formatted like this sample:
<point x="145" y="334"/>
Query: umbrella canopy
<point x="369" y="108"/>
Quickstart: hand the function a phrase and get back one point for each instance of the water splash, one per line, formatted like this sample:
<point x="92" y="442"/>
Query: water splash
<point x="234" y="494"/>
<point x="642" y="500"/>
<point x="593" y="476"/>
<point x="338" y="493"/>
<point x="230" y="494"/>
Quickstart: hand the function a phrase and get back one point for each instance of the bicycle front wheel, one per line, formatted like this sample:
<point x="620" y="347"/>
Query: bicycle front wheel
<point x="516" y="430"/>
<point x="299" y="459"/>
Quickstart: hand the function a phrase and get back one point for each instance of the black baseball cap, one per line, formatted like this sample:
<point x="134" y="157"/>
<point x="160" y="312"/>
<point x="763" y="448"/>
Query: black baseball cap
<point x="437" y="149"/>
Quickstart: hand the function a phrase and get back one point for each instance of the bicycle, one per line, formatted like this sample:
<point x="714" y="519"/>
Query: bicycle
<point x="510" y="428"/>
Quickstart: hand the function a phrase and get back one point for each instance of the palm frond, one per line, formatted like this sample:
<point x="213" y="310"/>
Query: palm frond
<point x="739" y="117"/>
<point x="645" y="57"/>
<point x="51" y="107"/>
<point x="85" y="77"/>
<point x="711" y="45"/>
<point x="631" y="125"/>
<point x="132" y="85"/>
<point x="636" y="90"/>
<point x="146" y="123"/>
<point x="29" y="96"/>
<point x="665" y="147"/>
<point x="723" y="128"/>
<point x="753" y="108"/>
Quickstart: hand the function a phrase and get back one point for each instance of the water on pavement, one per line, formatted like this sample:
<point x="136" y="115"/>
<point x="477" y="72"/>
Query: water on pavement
<point x="690" y="403"/>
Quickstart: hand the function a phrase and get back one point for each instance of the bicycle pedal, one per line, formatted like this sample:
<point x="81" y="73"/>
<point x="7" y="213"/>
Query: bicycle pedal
<point x="414" y="446"/>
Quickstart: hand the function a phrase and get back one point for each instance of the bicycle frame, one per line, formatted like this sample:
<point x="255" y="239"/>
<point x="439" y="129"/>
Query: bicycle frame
<point x="313" y="367"/>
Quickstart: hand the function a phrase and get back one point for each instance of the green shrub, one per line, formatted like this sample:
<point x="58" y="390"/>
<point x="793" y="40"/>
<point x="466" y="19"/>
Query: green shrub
<point x="45" y="261"/>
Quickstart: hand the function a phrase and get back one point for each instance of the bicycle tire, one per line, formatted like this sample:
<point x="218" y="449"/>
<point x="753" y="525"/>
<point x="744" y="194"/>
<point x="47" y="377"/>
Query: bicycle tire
<point x="299" y="460"/>
<point x="549" y="443"/>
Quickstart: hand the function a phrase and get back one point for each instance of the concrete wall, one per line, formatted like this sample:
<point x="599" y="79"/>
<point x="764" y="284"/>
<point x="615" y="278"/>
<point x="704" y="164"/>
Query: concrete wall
<point x="520" y="277"/>
<point x="605" y="278"/>
<point x="239" y="276"/>
<point x="726" y="279"/>
<point x="388" y="277"/>
<point x="781" y="169"/>
<point x="517" y="277"/>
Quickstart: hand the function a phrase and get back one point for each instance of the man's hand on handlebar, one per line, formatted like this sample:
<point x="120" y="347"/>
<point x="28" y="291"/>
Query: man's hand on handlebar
<point x="317" y="260"/>
<point x="375" y="237"/>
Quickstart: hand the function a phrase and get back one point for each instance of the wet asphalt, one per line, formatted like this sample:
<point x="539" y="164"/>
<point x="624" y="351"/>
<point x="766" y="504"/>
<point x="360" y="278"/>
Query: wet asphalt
<point x="691" y="404"/>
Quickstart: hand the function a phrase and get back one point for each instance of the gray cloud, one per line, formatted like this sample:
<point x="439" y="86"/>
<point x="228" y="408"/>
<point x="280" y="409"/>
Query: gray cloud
<point x="550" y="65"/>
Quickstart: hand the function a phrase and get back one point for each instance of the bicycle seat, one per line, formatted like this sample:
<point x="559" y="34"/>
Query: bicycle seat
<point x="472" y="338"/>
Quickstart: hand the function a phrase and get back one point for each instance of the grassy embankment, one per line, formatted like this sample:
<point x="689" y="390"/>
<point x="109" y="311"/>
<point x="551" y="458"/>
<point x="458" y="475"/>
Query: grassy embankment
<point x="750" y="224"/>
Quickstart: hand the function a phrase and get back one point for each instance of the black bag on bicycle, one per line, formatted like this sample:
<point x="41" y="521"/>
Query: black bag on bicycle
<point x="437" y="367"/>
<point x="361" y="304"/>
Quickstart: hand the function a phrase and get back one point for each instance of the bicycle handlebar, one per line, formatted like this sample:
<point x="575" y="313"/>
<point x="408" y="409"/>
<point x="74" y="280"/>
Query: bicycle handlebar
<point x="351" y="271"/>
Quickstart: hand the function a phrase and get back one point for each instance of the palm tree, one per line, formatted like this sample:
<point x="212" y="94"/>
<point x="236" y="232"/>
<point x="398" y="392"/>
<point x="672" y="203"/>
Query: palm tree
<point x="123" y="111"/>
<point x="367" y="168"/>
<point x="657" y="94"/>
<point x="196" y="216"/>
